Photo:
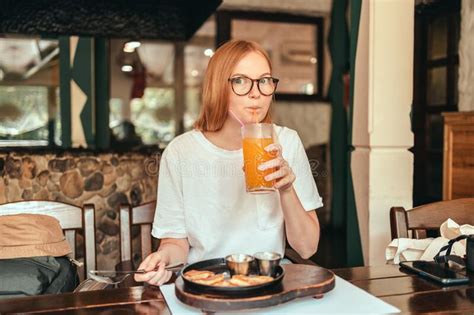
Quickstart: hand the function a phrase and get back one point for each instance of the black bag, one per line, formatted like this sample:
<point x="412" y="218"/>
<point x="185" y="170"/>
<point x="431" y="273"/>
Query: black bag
<point x="37" y="275"/>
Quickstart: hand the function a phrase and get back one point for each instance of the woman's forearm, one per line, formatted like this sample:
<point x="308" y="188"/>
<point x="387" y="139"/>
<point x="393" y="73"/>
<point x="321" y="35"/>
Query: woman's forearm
<point x="302" y="227"/>
<point x="176" y="250"/>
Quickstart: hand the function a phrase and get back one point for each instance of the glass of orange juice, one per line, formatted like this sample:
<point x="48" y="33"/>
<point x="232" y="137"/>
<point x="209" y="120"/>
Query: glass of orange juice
<point x="255" y="137"/>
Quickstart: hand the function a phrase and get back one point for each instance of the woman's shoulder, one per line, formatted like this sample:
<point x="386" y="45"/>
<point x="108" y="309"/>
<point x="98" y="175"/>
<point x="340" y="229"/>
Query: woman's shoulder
<point x="289" y="140"/>
<point x="285" y="133"/>
<point x="181" y="143"/>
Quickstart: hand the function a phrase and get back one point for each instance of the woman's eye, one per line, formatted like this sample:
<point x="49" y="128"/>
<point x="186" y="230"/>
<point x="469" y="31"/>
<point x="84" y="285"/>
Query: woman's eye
<point x="264" y="80"/>
<point x="239" y="80"/>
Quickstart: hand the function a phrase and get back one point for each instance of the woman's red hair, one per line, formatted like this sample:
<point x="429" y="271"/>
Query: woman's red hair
<point x="215" y="88"/>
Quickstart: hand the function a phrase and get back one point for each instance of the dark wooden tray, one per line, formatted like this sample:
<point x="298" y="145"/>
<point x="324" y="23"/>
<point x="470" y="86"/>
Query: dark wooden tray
<point x="299" y="281"/>
<point x="218" y="265"/>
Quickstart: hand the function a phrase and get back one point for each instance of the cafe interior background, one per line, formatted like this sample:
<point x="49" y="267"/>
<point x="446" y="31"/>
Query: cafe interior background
<point x="87" y="103"/>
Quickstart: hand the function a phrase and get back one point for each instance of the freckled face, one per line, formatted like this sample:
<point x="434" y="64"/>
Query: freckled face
<point x="254" y="105"/>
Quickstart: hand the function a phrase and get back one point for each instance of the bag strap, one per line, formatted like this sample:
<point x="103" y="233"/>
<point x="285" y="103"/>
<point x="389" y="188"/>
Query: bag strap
<point x="447" y="256"/>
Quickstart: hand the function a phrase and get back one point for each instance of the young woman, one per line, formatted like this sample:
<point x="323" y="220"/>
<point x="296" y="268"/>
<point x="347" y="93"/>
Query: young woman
<point x="203" y="209"/>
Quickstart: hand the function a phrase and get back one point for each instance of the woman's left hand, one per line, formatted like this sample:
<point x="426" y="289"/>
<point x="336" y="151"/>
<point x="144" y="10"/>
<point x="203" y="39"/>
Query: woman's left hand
<point x="283" y="175"/>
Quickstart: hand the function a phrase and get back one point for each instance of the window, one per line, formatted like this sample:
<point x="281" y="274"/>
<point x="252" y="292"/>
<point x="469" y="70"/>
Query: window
<point x="297" y="60"/>
<point x="196" y="57"/>
<point x="437" y="26"/>
<point x="29" y="92"/>
<point x="156" y="86"/>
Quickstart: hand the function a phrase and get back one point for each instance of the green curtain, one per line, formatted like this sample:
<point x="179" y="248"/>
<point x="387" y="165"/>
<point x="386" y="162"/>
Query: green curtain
<point x="90" y="71"/>
<point x="354" y="246"/>
<point x="102" y="92"/>
<point x="339" y="49"/>
<point x="342" y="45"/>
<point x="65" y="91"/>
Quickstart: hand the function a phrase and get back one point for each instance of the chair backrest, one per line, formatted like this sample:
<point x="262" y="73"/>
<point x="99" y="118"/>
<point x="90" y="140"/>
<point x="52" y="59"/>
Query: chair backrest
<point x="430" y="217"/>
<point x="70" y="217"/>
<point x="142" y="216"/>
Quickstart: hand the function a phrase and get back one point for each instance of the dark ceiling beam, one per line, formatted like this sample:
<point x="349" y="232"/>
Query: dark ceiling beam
<point x="140" y="19"/>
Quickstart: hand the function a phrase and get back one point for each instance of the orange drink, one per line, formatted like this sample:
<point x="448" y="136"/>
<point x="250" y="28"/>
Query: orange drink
<point x="255" y="138"/>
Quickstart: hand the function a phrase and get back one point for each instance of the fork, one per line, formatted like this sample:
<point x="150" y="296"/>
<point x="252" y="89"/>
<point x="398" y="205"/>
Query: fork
<point x="117" y="277"/>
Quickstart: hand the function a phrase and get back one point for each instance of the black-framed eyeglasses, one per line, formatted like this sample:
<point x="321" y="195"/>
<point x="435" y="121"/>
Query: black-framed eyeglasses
<point x="242" y="85"/>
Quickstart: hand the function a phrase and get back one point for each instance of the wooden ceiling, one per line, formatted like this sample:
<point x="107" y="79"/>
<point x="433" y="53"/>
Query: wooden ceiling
<point x="143" y="19"/>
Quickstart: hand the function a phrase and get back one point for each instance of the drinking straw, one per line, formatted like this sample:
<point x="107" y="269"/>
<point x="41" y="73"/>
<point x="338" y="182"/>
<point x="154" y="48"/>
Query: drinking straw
<point x="254" y="115"/>
<point x="236" y="118"/>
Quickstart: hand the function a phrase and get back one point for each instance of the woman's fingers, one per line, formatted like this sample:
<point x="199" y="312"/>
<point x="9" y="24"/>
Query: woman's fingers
<point x="139" y="277"/>
<point x="144" y="277"/>
<point x="285" y="182"/>
<point x="155" y="259"/>
<point x="282" y="172"/>
<point x="145" y="262"/>
<point x="284" y="176"/>
<point x="160" y="277"/>
<point x="149" y="264"/>
<point x="275" y="163"/>
<point x="274" y="148"/>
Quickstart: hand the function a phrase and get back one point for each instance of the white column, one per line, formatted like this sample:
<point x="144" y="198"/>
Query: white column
<point x="466" y="57"/>
<point x="382" y="166"/>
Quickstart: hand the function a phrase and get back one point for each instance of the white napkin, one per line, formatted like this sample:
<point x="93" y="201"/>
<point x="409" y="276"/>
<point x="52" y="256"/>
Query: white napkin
<point x="358" y="302"/>
<point x="402" y="249"/>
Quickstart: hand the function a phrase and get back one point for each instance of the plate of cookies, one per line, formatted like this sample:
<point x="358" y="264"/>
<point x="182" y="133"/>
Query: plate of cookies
<point x="233" y="275"/>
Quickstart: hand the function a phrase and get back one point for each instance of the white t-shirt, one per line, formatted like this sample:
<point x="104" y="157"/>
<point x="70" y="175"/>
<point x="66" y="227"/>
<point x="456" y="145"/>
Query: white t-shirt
<point x="202" y="197"/>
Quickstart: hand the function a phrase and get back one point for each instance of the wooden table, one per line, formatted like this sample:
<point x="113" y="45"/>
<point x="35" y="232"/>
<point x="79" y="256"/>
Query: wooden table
<point x="405" y="291"/>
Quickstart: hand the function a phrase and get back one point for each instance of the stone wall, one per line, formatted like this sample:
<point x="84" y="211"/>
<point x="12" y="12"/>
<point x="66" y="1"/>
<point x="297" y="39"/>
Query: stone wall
<point x="105" y="180"/>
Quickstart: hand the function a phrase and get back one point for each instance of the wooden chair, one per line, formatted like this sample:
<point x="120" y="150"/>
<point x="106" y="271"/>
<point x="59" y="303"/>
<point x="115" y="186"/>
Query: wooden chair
<point x="70" y="217"/>
<point x="143" y="216"/>
<point x="427" y="217"/>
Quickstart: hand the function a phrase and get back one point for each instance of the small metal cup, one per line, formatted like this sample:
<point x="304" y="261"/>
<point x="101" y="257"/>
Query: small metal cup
<point x="267" y="263"/>
<point x="239" y="264"/>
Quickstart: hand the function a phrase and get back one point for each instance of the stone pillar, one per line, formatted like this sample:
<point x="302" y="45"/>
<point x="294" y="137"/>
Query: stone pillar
<point x="382" y="166"/>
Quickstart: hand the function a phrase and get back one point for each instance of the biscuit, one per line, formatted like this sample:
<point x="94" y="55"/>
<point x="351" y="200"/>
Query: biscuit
<point x="240" y="280"/>
<point x="260" y="279"/>
<point x="194" y="275"/>
<point x="211" y="280"/>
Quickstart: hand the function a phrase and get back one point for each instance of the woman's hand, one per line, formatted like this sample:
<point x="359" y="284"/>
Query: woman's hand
<point x="284" y="175"/>
<point x="157" y="259"/>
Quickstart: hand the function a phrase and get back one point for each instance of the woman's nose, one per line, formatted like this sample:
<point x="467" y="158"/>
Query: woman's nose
<point x="254" y="92"/>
